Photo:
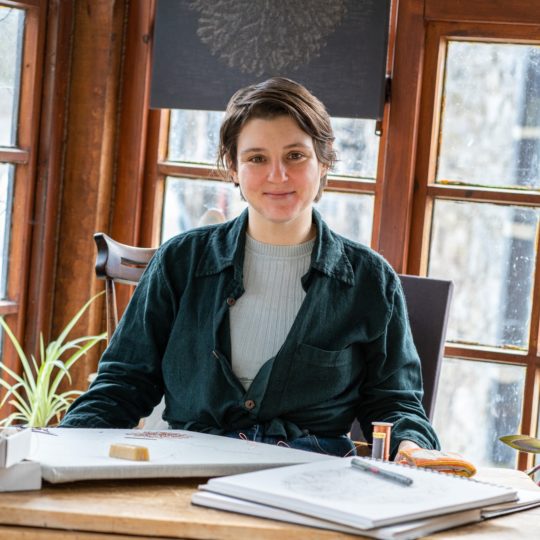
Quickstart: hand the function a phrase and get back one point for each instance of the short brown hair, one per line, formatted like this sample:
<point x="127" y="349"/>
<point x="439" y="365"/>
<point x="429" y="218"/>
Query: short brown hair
<point x="274" y="97"/>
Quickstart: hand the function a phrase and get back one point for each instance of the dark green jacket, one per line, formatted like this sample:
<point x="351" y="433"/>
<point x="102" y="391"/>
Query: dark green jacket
<point x="348" y="354"/>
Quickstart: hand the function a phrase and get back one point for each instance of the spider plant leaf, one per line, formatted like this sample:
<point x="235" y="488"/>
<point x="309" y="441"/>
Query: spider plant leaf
<point x="73" y="322"/>
<point x="22" y="357"/>
<point x="21" y="408"/>
<point x="13" y="374"/>
<point x="524" y="443"/>
<point x="12" y="392"/>
<point x="69" y="394"/>
<point x="41" y="347"/>
<point x="75" y="343"/>
<point x="10" y="389"/>
<point x="72" y="359"/>
<point x="6" y="422"/>
<point x="35" y="363"/>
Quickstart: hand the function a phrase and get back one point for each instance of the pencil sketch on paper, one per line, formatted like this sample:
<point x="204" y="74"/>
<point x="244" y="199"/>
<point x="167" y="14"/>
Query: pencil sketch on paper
<point x="345" y="484"/>
<point x="259" y="37"/>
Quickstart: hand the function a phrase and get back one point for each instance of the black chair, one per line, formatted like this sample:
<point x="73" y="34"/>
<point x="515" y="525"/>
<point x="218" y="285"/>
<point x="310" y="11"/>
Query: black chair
<point x="428" y="304"/>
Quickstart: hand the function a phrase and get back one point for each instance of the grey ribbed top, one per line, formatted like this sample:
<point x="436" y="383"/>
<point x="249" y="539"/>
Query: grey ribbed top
<point x="263" y="315"/>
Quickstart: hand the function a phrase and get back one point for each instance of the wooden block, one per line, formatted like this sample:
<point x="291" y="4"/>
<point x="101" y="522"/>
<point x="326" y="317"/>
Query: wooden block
<point x="129" y="451"/>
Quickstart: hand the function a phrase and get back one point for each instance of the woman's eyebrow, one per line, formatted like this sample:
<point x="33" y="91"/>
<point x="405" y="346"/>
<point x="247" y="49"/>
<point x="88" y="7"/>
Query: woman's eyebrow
<point x="253" y="149"/>
<point x="261" y="149"/>
<point x="295" y="144"/>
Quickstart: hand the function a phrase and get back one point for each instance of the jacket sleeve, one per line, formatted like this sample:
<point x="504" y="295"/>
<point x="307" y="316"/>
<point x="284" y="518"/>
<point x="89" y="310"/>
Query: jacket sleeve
<point x="392" y="391"/>
<point x="129" y="381"/>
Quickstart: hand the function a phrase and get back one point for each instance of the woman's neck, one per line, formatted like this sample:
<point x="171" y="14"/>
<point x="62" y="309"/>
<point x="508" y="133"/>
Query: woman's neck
<point x="283" y="234"/>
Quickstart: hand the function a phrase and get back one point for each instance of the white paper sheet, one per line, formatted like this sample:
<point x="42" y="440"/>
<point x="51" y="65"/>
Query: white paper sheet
<point x="70" y="454"/>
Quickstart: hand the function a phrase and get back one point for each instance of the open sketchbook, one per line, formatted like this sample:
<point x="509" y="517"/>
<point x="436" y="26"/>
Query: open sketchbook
<point x="70" y="454"/>
<point x="402" y="531"/>
<point x="332" y="490"/>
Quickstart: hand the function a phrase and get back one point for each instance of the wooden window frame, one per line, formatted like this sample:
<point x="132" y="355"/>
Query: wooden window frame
<point x="438" y="33"/>
<point x="24" y="157"/>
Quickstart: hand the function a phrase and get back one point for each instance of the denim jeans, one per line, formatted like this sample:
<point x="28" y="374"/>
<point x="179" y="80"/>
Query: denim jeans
<point x="340" y="446"/>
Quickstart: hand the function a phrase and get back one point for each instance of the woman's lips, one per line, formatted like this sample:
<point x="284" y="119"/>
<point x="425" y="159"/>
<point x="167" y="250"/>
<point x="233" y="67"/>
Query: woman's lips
<point x="279" y="195"/>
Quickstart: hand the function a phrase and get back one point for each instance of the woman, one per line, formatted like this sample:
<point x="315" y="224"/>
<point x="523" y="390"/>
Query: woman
<point x="269" y="326"/>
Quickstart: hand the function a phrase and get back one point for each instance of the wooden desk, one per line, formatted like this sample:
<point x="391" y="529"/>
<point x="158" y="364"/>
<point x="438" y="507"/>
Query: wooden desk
<point x="161" y="509"/>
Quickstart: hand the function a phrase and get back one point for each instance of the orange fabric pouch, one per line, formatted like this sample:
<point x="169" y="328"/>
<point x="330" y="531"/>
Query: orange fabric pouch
<point x="437" y="460"/>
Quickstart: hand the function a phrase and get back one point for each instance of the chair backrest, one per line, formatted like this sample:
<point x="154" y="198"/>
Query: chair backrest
<point x="118" y="263"/>
<point x="428" y="304"/>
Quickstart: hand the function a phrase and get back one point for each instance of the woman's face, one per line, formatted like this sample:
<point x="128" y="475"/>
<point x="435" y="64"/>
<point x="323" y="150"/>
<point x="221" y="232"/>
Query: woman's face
<point x="278" y="171"/>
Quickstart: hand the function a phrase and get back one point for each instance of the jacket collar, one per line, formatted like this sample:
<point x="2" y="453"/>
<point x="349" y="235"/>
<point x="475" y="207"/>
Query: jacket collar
<point x="227" y="243"/>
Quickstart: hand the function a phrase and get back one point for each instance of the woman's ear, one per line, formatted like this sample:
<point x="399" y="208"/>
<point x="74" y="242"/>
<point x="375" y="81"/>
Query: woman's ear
<point x="231" y="170"/>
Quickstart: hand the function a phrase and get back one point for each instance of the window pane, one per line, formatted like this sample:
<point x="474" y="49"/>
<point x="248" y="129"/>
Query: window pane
<point x="6" y="194"/>
<point x="489" y="252"/>
<point x="190" y="203"/>
<point x="491" y="118"/>
<point x="357" y="147"/>
<point x="478" y="402"/>
<point x="194" y="137"/>
<point x="11" y="33"/>
<point x="349" y="215"/>
<point x="186" y="202"/>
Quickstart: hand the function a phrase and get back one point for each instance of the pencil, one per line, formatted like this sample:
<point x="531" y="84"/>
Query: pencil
<point x="381" y="473"/>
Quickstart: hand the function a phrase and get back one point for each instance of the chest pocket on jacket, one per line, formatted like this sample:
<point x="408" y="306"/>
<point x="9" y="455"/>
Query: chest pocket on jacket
<point x="317" y="375"/>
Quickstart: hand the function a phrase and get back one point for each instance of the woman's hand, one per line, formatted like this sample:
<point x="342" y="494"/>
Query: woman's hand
<point x="404" y="445"/>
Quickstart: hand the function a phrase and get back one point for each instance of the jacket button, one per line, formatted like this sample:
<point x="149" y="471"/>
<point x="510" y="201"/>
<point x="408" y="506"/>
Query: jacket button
<point x="249" y="404"/>
<point x="231" y="301"/>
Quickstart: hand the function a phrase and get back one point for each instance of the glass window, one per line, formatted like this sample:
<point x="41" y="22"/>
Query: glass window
<point x="194" y="136"/>
<point x="348" y="214"/>
<point x="478" y="402"/>
<point x="489" y="251"/>
<point x="11" y="39"/>
<point x="191" y="203"/>
<point x="357" y="147"/>
<point x="490" y="127"/>
<point x="6" y="191"/>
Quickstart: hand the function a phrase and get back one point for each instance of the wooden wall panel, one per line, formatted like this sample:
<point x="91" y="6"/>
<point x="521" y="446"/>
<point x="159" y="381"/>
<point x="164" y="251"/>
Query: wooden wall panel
<point x="132" y="145"/>
<point x="49" y="175"/>
<point x="89" y="163"/>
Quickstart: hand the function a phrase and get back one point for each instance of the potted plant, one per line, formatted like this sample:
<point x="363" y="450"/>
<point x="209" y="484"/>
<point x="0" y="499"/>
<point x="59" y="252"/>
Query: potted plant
<point x="34" y="394"/>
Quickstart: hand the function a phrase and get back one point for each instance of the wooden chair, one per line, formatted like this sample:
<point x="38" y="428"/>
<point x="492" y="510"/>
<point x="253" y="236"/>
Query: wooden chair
<point x="428" y="304"/>
<point x="118" y="263"/>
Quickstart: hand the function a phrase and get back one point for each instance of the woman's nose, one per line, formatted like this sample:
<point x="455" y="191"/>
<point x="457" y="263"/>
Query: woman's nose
<point x="278" y="172"/>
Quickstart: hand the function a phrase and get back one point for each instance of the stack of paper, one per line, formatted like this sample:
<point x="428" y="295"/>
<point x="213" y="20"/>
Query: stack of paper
<point x="17" y="474"/>
<point x="333" y="495"/>
<point x="72" y="454"/>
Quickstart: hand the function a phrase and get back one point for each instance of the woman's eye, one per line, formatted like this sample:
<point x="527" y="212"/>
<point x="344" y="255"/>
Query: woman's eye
<point x="296" y="155"/>
<point x="256" y="159"/>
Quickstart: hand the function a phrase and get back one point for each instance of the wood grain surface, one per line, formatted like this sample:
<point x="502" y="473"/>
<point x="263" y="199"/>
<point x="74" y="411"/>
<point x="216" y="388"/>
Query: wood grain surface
<point x="162" y="508"/>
